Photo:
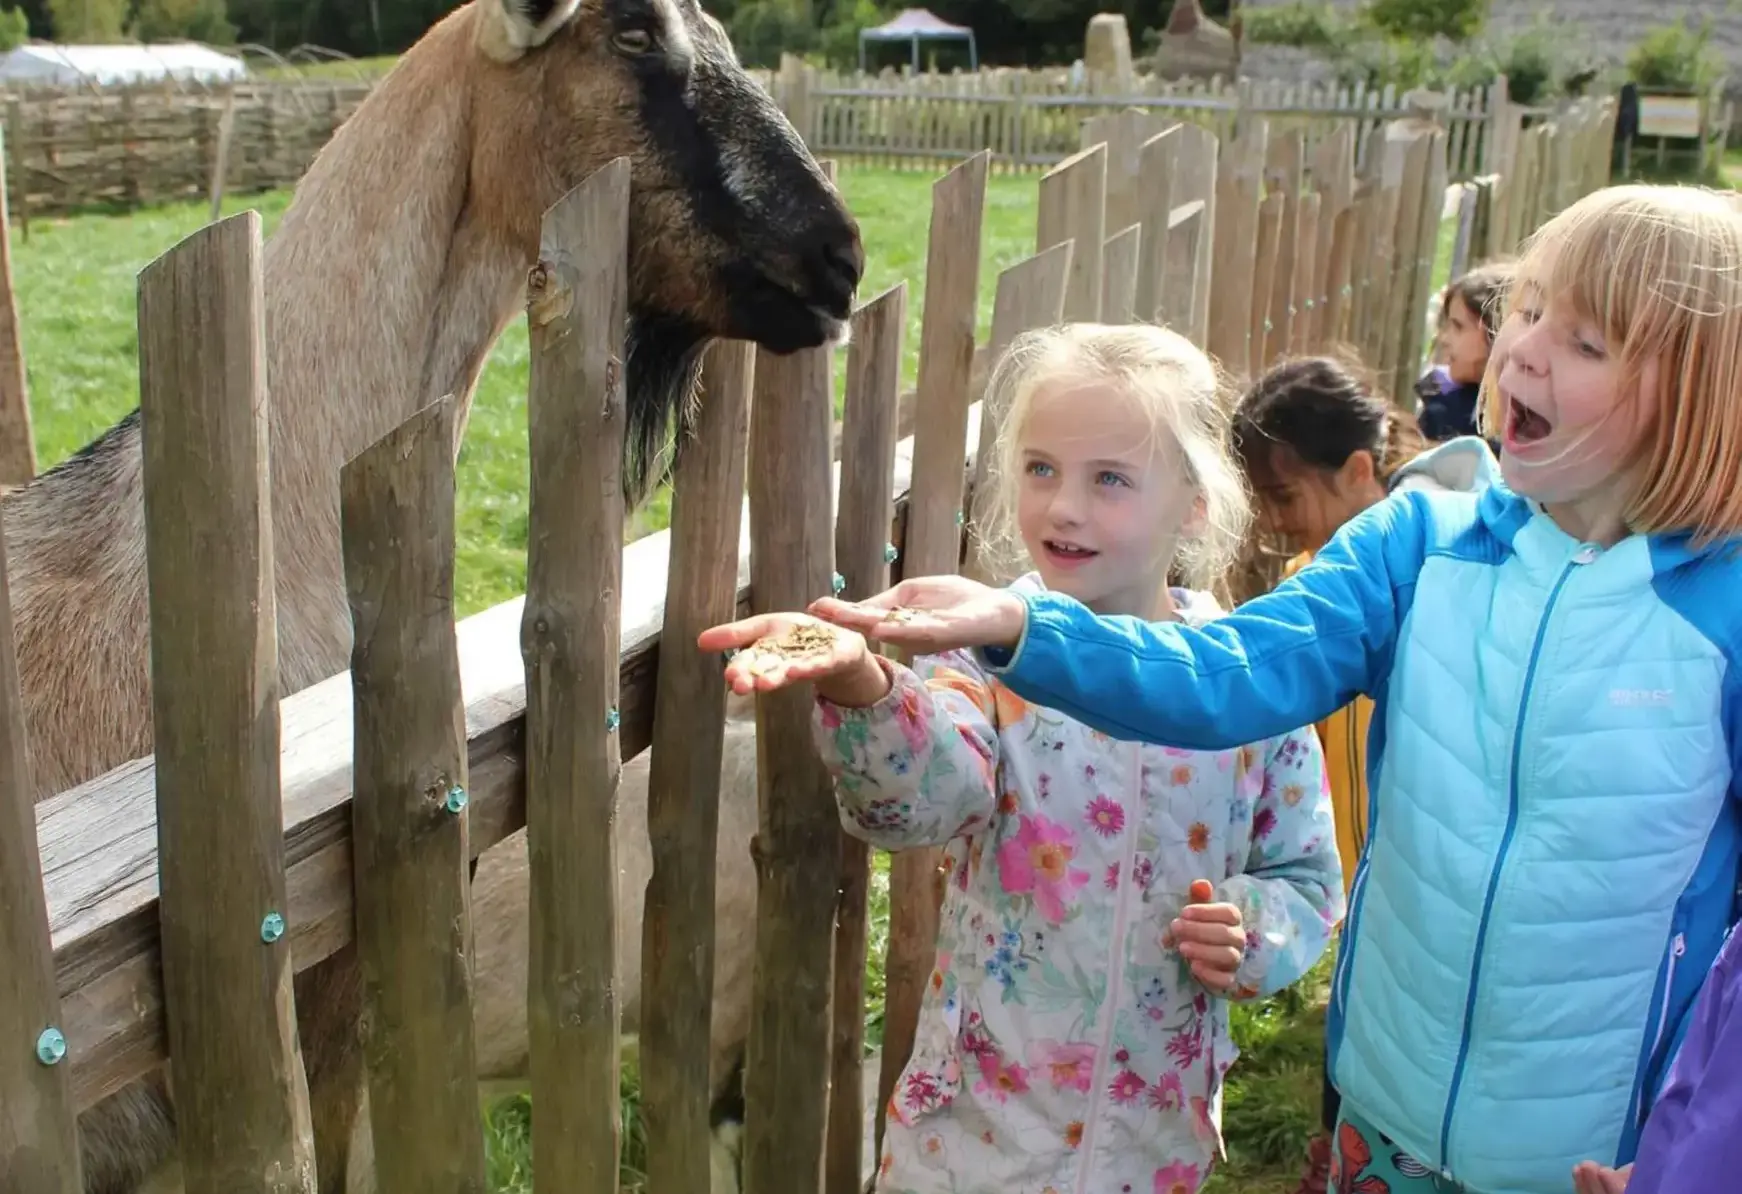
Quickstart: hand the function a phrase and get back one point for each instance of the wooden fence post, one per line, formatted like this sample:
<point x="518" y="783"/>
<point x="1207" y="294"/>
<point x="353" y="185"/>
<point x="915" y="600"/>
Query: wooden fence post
<point x="240" y="1103"/>
<point x="1121" y="257"/>
<point x="39" y="1146"/>
<point x="1185" y="271"/>
<point x="1073" y="202"/>
<point x="1274" y="304"/>
<point x="786" y="1073"/>
<point x="1157" y="164"/>
<point x="577" y="312"/>
<point x="867" y="505"/>
<point x="934" y="525"/>
<point x="17" y="439"/>
<point x="1031" y="294"/>
<point x="683" y="782"/>
<point x="1239" y="191"/>
<point x="409" y="840"/>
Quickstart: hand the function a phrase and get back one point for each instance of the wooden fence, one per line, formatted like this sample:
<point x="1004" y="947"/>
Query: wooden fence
<point x="440" y="742"/>
<point x="1029" y="118"/>
<point x="74" y="148"/>
<point x="128" y="146"/>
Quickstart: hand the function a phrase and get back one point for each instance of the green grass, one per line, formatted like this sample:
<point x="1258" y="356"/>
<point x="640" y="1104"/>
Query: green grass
<point x="76" y="285"/>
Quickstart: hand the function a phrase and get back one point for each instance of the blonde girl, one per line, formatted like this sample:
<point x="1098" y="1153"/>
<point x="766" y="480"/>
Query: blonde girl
<point x="1105" y="899"/>
<point x="1319" y="445"/>
<point x="1553" y="760"/>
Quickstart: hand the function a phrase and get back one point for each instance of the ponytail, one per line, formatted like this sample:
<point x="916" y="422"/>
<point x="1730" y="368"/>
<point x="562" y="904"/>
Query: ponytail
<point x="1401" y="442"/>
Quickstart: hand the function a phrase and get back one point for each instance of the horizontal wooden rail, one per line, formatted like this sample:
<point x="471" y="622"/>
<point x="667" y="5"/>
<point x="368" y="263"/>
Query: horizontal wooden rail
<point x="98" y="841"/>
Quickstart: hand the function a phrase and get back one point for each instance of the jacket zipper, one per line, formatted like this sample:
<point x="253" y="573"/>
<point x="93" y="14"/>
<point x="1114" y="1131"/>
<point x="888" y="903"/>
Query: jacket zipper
<point x="1678" y="946"/>
<point x="1500" y="856"/>
<point x="1115" y="970"/>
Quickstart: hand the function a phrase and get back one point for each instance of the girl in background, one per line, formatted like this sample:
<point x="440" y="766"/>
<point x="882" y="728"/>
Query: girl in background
<point x="1105" y="899"/>
<point x="1319" y="446"/>
<point x="1470" y="313"/>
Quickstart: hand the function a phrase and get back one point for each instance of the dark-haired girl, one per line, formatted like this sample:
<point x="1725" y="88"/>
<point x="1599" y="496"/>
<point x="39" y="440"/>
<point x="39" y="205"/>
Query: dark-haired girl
<point x="1319" y="446"/>
<point x="1470" y="313"/>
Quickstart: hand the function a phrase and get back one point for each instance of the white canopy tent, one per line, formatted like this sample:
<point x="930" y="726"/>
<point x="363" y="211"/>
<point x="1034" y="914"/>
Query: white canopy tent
<point x="47" y="64"/>
<point x="914" y="25"/>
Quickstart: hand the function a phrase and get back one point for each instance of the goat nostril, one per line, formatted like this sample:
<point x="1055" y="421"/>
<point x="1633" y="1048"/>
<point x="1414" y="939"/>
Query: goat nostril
<point x="846" y="258"/>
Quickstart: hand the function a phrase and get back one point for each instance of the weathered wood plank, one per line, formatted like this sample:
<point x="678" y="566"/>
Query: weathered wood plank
<point x="1233" y="285"/>
<point x="868" y="437"/>
<point x="577" y="315"/>
<point x="241" y="1110"/>
<point x="1030" y="294"/>
<point x="683" y="791"/>
<point x="38" y="1142"/>
<point x="1121" y="257"/>
<point x="934" y="529"/>
<point x="1157" y="164"/>
<point x="786" y="1071"/>
<point x="413" y="894"/>
<point x="1184" y="269"/>
<point x="1072" y="206"/>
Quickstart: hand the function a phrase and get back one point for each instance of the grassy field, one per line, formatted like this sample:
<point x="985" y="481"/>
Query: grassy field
<point x="76" y="285"/>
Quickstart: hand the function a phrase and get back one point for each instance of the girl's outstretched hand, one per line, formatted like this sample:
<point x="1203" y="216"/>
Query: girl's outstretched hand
<point x="932" y="614"/>
<point x="775" y="650"/>
<point x="1590" y="1177"/>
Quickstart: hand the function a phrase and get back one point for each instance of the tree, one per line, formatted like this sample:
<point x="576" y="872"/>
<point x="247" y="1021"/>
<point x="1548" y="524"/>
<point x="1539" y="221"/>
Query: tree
<point x="174" y="20"/>
<point x="88" y="21"/>
<point x="1422" y="20"/>
<point x="14" y="28"/>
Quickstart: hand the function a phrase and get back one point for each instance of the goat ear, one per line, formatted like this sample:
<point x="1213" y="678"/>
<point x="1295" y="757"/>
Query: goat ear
<point x="508" y="29"/>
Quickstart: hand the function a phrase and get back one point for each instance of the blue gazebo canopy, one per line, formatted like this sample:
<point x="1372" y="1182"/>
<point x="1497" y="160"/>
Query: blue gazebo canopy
<point x="914" y="25"/>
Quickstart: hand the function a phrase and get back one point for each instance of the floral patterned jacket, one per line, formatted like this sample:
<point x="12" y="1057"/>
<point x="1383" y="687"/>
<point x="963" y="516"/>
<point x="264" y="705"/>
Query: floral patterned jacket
<point x="1061" y="1046"/>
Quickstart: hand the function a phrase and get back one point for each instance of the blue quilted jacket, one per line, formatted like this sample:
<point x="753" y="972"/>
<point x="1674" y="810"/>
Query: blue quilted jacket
<point x="1553" y="854"/>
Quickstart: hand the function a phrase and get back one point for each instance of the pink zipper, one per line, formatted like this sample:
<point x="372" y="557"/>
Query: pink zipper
<point x="1115" y="971"/>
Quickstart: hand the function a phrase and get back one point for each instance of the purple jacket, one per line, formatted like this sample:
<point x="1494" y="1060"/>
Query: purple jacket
<point x="1692" y="1140"/>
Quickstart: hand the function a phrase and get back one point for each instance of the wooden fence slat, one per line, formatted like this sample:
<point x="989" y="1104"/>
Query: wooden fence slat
<point x="683" y="788"/>
<point x="410" y="868"/>
<point x="576" y="319"/>
<point x="241" y="1107"/>
<point x="1121" y="257"/>
<point x="946" y="354"/>
<point x="1183" y="281"/>
<point x="1265" y="250"/>
<point x="1334" y="325"/>
<point x="1302" y="303"/>
<point x="1073" y="206"/>
<point x="1157" y="164"/>
<point x="786" y="1072"/>
<point x="1030" y="294"/>
<point x="1196" y="167"/>
<point x="17" y="439"/>
<point x="1284" y="172"/>
<point x="39" y="1146"/>
<point x="1233" y="287"/>
<point x="867" y="506"/>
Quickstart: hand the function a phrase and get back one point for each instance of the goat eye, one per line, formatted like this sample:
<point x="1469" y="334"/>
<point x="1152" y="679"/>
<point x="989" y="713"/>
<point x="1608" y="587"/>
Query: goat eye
<point x="633" y="41"/>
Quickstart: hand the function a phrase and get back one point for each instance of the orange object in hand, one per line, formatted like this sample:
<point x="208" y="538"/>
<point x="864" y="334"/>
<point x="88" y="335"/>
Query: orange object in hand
<point x="1202" y="892"/>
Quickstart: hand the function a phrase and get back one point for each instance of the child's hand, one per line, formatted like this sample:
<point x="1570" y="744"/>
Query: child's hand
<point x="1591" y="1178"/>
<point x="1212" y="937"/>
<point x="933" y="614"/>
<point x="775" y="650"/>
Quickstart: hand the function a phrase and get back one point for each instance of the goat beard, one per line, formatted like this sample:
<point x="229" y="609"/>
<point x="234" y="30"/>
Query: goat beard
<point x="662" y="383"/>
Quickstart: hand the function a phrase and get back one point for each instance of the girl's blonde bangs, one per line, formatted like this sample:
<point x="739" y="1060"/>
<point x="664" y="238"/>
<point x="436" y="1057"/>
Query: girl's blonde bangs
<point x="1658" y="270"/>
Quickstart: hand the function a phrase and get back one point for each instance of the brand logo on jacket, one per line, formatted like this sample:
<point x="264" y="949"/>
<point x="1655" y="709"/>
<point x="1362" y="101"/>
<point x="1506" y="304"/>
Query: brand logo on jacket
<point x="1632" y="698"/>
